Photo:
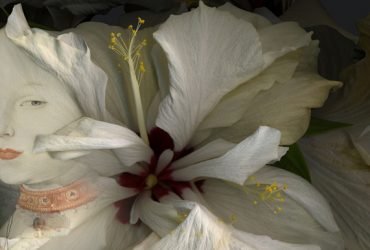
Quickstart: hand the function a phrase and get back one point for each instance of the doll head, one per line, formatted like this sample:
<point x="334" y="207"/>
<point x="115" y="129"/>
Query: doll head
<point x="32" y="102"/>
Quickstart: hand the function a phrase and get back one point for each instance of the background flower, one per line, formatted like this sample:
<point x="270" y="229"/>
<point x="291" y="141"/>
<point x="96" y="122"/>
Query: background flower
<point x="339" y="160"/>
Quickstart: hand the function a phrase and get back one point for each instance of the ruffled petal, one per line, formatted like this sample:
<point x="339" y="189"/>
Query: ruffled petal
<point x="286" y="106"/>
<point x="279" y="39"/>
<point x="259" y="22"/>
<point x="233" y="105"/>
<point x="238" y="163"/>
<point x="60" y="55"/>
<point x="195" y="42"/>
<point x="87" y="134"/>
<point x="246" y="211"/>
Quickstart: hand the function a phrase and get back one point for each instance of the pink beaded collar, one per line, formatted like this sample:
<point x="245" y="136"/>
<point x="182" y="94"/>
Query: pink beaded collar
<point x="57" y="200"/>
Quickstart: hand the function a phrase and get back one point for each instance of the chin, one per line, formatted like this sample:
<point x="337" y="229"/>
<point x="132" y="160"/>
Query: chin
<point x="31" y="168"/>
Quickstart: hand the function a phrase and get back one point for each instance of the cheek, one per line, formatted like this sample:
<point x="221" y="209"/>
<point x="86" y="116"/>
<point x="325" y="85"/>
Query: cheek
<point x="46" y="120"/>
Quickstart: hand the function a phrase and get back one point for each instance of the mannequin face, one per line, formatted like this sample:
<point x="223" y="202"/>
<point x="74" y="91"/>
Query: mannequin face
<point x="32" y="102"/>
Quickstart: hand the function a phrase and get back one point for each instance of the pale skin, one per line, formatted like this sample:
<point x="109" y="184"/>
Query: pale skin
<point x="32" y="102"/>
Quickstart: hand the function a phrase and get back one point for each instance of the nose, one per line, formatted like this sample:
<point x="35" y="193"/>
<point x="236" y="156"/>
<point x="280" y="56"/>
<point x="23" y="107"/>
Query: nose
<point x="6" y="132"/>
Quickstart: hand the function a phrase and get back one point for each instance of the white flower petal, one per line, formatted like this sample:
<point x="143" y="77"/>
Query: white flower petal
<point x="339" y="173"/>
<point x="87" y="134"/>
<point x="201" y="230"/>
<point x="164" y="160"/>
<point x="233" y="105"/>
<point x="302" y="192"/>
<point x="161" y="68"/>
<point x="161" y="218"/>
<point x="60" y="55"/>
<point x="361" y="140"/>
<point x="266" y="243"/>
<point x="195" y="42"/>
<point x="279" y="39"/>
<point x="148" y="242"/>
<point x="258" y="21"/>
<point x="238" y="163"/>
<point x="103" y="162"/>
<point x="213" y="149"/>
<point x="286" y="106"/>
<point x="152" y="113"/>
<point x="293" y="224"/>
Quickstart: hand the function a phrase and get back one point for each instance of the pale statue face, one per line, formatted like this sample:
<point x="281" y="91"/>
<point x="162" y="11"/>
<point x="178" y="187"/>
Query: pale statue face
<point x="32" y="102"/>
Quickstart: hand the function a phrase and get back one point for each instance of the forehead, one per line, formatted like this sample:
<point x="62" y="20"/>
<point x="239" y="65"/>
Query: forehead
<point x="17" y="69"/>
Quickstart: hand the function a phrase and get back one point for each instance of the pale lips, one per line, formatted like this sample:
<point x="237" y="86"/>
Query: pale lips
<point x="9" y="154"/>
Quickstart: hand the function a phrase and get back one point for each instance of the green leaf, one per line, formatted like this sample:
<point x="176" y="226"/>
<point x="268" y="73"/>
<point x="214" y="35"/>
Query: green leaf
<point x="319" y="126"/>
<point x="294" y="162"/>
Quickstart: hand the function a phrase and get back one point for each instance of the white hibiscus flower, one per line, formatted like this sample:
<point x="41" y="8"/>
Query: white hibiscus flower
<point x="236" y="88"/>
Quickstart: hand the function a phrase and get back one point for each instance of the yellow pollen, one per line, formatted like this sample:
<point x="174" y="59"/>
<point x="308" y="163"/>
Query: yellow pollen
<point x="141" y="21"/>
<point x="270" y="195"/>
<point x="151" y="181"/>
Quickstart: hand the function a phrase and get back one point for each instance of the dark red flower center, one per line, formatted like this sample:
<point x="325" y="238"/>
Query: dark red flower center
<point x="160" y="183"/>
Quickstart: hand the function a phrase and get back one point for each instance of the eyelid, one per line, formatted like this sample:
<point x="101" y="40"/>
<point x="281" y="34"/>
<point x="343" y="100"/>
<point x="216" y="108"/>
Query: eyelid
<point x="27" y="101"/>
<point x="24" y="103"/>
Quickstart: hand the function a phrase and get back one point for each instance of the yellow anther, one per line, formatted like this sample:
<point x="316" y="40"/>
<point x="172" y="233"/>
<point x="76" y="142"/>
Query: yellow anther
<point x="130" y="27"/>
<point x="142" y="67"/>
<point x="141" y="21"/>
<point x="151" y="181"/>
<point x="266" y="194"/>
<point x="285" y="187"/>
